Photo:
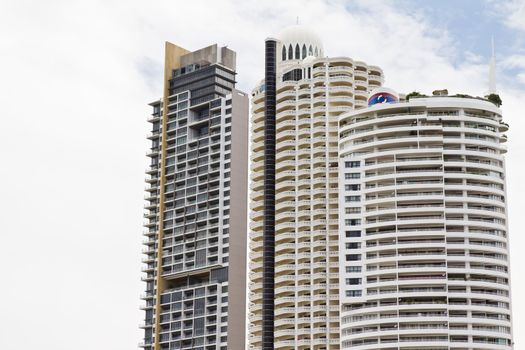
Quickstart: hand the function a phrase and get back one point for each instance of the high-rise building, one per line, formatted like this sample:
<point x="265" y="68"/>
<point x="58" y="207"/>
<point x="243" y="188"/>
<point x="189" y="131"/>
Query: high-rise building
<point x="424" y="256"/>
<point x="294" y="259"/>
<point x="196" y="227"/>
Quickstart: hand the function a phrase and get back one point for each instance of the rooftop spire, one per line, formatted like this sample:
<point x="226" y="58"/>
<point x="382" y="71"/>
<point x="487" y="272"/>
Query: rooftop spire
<point x="492" y="71"/>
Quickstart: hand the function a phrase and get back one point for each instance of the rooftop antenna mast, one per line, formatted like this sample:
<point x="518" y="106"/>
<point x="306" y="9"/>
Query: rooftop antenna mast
<point x="492" y="70"/>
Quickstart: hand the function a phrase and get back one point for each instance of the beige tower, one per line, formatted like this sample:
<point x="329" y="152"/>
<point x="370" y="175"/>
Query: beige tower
<point x="294" y="281"/>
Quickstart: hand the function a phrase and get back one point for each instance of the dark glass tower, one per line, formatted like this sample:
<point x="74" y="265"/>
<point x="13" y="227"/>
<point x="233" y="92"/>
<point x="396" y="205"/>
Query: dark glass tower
<point x="269" y="198"/>
<point x="196" y="220"/>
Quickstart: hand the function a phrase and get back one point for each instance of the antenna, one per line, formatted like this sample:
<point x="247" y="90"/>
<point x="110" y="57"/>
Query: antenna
<point x="297" y="20"/>
<point x="492" y="70"/>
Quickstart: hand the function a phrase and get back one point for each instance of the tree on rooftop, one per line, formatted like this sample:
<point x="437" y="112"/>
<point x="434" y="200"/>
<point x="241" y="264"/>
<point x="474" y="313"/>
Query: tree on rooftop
<point x="414" y="94"/>
<point x="494" y="98"/>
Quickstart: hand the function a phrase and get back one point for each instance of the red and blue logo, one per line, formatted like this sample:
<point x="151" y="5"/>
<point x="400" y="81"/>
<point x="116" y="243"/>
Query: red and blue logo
<point x="382" y="97"/>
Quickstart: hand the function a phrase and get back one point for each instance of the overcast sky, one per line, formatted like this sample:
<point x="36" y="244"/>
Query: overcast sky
<point x="75" y="80"/>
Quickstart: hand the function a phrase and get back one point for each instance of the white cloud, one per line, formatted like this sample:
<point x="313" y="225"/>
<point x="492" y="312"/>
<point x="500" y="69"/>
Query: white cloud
<point x="513" y="61"/>
<point x="513" y="12"/>
<point x="76" y="79"/>
<point x="521" y="77"/>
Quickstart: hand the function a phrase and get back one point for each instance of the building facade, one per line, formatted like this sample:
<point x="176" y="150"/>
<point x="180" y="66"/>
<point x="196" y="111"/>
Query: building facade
<point x="195" y="237"/>
<point x="294" y="216"/>
<point x="423" y="219"/>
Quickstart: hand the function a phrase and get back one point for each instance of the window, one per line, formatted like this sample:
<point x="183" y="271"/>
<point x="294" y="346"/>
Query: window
<point x="219" y="275"/>
<point x="297" y="52"/>
<point x="353" y="269"/>
<point x="353" y="293"/>
<point x="198" y="325"/>
<point x="284" y="54"/>
<point x="352" y="199"/>
<point x="203" y="131"/>
<point x="353" y="245"/>
<point x="199" y="307"/>
<point x="353" y="281"/>
<point x="352" y="210"/>
<point x="352" y="164"/>
<point x="304" y="51"/>
<point x="352" y="176"/>
<point x="353" y="257"/>
<point x="352" y="222"/>
<point x="170" y="161"/>
<point x="353" y="187"/>
<point x="156" y="127"/>
<point x="182" y="114"/>
<point x="290" y="52"/>
<point x="294" y="74"/>
<point x="352" y="234"/>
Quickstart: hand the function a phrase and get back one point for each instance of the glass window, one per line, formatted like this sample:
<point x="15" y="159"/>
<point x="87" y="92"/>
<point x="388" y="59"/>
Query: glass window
<point x="353" y="293"/>
<point x="354" y="187"/>
<point x="353" y="210"/>
<point x="353" y="269"/>
<point x="352" y="176"/>
<point x="353" y="245"/>
<point x="351" y="234"/>
<point x="352" y="222"/>
<point x="353" y="281"/>
<point x="353" y="257"/>
<point x="352" y="164"/>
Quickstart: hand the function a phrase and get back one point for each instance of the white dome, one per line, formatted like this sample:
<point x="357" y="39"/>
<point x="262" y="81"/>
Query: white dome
<point x="301" y="38"/>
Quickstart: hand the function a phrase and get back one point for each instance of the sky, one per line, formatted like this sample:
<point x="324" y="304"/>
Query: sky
<point x="75" y="81"/>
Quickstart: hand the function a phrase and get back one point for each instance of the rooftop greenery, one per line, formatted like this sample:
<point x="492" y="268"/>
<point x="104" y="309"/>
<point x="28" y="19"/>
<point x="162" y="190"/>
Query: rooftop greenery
<point x="494" y="98"/>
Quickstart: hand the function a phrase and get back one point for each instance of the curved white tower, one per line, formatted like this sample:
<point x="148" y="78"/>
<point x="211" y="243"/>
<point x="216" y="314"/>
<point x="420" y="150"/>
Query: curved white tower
<point x="424" y="257"/>
<point x="302" y="282"/>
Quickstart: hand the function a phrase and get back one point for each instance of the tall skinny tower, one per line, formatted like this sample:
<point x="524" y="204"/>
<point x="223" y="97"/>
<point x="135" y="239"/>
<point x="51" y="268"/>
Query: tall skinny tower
<point x="195" y="233"/>
<point x="294" y="281"/>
